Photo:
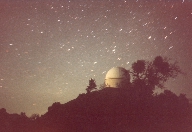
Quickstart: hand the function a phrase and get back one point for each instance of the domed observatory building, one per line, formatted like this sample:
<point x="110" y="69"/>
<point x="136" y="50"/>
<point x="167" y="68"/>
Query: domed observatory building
<point x="117" y="77"/>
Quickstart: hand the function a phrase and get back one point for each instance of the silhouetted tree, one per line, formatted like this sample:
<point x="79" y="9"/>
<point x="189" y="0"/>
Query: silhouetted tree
<point x="92" y="85"/>
<point x="153" y="74"/>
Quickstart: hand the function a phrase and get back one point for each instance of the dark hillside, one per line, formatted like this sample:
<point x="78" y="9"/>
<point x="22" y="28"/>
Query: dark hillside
<point x="108" y="110"/>
<point x="119" y="110"/>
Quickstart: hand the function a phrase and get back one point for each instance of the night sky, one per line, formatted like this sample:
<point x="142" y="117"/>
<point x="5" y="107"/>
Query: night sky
<point x="49" y="49"/>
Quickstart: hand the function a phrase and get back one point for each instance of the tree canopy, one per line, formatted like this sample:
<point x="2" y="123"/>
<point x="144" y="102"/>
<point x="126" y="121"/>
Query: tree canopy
<point x="92" y="85"/>
<point x="154" y="73"/>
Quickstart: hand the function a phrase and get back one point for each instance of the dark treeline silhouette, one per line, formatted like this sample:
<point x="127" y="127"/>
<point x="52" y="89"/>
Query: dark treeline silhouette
<point x="92" y="86"/>
<point x="14" y="122"/>
<point x="132" y="107"/>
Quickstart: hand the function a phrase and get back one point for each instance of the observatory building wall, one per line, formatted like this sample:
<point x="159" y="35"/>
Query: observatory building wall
<point x="113" y="82"/>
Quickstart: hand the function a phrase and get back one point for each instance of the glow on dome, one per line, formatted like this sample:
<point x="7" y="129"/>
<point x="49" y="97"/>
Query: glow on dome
<point x="116" y="77"/>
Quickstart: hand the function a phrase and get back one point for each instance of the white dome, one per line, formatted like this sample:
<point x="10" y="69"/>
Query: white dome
<point x="117" y="72"/>
<point x="117" y="77"/>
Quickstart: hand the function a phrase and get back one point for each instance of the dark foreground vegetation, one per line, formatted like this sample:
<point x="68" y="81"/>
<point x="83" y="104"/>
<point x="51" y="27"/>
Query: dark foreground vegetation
<point x="131" y="108"/>
<point x="108" y="110"/>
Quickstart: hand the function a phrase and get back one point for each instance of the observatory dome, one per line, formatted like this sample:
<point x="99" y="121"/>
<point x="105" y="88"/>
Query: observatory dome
<point x="116" y="77"/>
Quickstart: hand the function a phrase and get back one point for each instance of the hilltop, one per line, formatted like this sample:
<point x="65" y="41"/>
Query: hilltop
<point x="108" y="110"/>
<point x="120" y="110"/>
<point x="129" y="106"/>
